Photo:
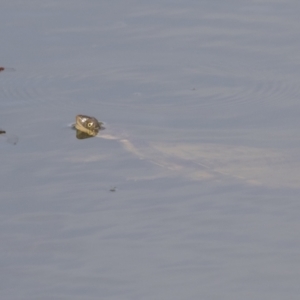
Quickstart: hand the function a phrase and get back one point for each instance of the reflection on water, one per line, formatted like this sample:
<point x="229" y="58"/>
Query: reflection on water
<point x="83" y="135"/>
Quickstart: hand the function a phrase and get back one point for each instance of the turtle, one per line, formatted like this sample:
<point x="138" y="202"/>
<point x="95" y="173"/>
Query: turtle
<point x="87" y="126"/>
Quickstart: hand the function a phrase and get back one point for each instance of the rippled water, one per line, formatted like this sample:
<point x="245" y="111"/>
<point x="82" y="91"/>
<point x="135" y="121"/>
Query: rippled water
<point x="197" y="194"/>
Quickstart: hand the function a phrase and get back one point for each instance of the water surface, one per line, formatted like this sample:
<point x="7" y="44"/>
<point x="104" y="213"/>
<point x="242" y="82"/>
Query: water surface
<point x="203" y="98"/>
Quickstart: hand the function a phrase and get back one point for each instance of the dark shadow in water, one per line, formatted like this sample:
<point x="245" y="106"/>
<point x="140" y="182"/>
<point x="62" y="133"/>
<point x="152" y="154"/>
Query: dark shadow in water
<point x="83" y="135"/>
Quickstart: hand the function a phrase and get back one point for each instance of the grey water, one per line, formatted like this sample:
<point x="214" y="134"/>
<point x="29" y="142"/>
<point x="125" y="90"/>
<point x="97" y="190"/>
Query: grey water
<point x="197" y="196"/>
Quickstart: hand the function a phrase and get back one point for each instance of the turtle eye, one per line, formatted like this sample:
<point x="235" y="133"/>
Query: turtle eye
<point x="90" y="124"/>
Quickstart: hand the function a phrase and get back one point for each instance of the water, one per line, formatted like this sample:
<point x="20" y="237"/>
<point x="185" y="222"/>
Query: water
<point x="198" y="196"/>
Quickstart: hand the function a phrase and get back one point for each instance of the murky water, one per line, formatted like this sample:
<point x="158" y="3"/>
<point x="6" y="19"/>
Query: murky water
<point x="197" y="197"/>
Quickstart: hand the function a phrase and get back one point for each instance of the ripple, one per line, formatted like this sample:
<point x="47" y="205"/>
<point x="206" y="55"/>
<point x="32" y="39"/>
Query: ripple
<point x="39" y="87"/>
<point x="18" y="89"/>
<point x="227" y="91"/>
<point x="142" y="88"/>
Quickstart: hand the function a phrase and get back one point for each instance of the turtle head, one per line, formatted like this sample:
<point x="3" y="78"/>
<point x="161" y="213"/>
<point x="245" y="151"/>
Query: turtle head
<point x="89" y="125"/>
